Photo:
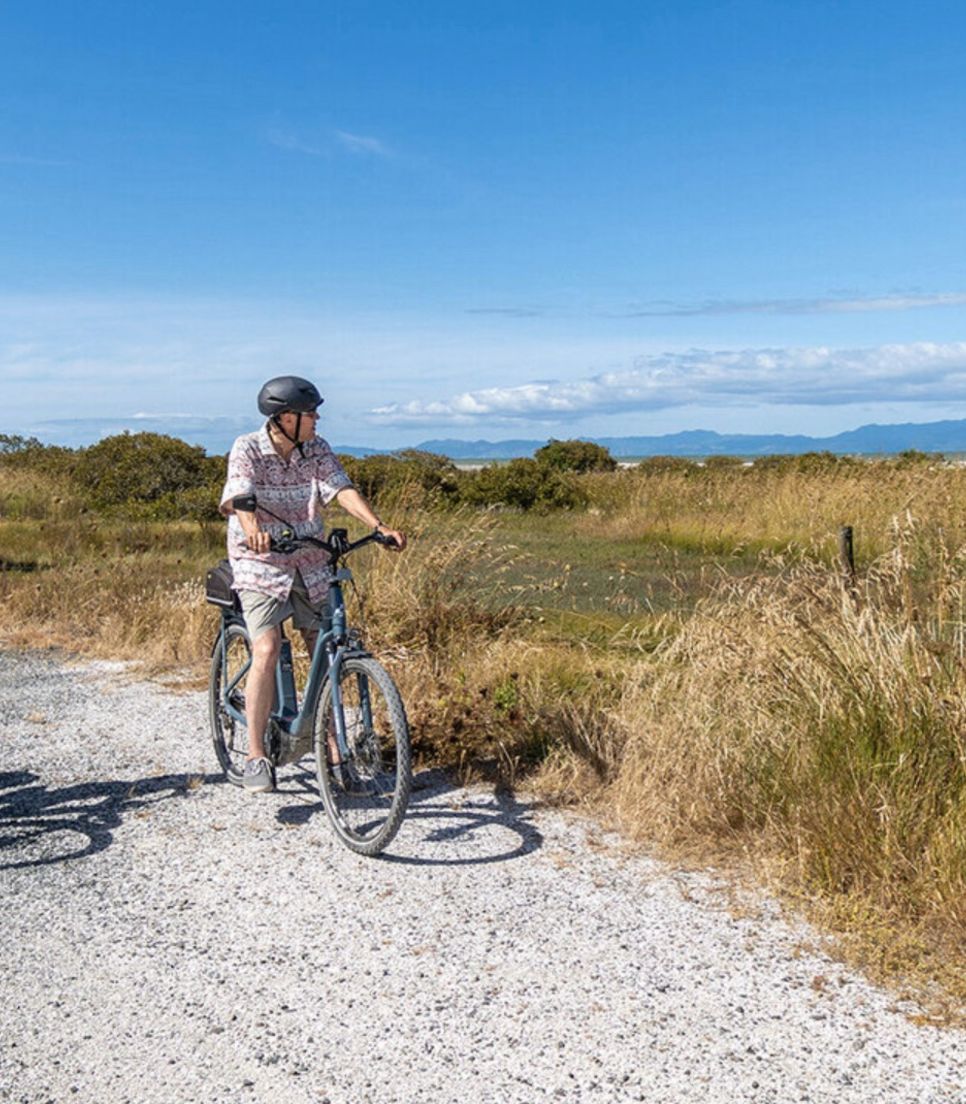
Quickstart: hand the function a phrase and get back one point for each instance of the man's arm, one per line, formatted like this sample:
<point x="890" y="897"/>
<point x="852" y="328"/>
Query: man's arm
<point x="353" y="503"/>
<point x="241" y="481"/>
<point x="258" y="539"/>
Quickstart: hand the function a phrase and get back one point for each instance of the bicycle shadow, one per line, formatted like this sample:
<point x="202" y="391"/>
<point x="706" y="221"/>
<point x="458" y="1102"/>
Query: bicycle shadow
<point x="442" y="820"/>
<point x="32" y="815"/>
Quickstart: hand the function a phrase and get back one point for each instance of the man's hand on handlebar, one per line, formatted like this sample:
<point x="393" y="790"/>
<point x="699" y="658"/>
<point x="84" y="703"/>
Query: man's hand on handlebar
<point x="259" y="540"/>
<point x="391" y="538"/>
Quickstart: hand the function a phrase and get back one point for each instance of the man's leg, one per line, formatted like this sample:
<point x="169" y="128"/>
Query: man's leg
<point x="260" y="688"/>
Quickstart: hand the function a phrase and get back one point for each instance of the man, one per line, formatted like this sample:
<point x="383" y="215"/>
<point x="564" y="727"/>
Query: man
<point x="292" y="474"/>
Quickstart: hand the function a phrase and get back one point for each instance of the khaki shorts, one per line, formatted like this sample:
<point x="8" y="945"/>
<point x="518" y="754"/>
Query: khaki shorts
<point x="263" y="612"/>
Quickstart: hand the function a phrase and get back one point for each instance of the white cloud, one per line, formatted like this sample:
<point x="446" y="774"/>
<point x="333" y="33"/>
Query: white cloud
<point x="831" y="305"/>
<point x="915" y="373"/>
<point x="360" y="143"/>
<point x="289" y="140"/>
<point x="285" y="138"/>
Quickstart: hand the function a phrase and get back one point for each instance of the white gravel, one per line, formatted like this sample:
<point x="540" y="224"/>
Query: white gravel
<point x="172" y="942"/>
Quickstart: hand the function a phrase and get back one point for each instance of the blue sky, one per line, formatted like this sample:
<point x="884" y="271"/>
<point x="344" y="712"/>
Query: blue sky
<point x="495" y="220"/>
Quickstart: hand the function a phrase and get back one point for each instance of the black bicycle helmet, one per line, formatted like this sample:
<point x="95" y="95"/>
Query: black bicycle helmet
<point x="288" y="393"/>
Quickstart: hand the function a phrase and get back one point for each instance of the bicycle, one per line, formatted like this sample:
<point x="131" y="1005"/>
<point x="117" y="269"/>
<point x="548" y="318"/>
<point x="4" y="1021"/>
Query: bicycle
<point x="351" y="716"/>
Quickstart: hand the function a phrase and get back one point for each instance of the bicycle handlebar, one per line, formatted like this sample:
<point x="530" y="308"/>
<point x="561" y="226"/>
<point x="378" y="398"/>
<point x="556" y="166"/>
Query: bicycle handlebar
<point x="337" y="544"/>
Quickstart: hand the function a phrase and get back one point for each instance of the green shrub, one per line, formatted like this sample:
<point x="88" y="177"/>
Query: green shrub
<point x="12" y="444"/>
<point x="914" y="457"/>
<point x="140" y="468"/>
<point x="524" y="484"/>
<point x="28" y="452"/>
<point x="379" y="476"/>
<point x="722" y="463"/>
<point x="810" y="463"/>
<point x="575" y="456"/>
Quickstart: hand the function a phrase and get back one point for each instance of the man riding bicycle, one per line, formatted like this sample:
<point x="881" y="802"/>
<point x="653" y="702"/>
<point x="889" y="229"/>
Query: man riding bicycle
<point x="292" y="474"/>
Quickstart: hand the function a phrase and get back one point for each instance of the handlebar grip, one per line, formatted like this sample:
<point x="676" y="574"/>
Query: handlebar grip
<point x="384" y="538"/>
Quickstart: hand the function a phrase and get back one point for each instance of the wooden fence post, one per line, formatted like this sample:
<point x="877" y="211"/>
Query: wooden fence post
<point x="847" y="555"/>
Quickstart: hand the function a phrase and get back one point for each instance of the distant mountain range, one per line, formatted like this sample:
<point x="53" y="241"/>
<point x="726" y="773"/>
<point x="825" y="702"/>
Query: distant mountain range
<point x="216" y="435"/>
<point x="947" y="437"/>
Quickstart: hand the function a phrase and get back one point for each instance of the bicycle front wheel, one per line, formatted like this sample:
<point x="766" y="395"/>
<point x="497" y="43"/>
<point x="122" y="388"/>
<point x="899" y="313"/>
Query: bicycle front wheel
<point x="230" y="662"/>
<point x="366" y="793"/>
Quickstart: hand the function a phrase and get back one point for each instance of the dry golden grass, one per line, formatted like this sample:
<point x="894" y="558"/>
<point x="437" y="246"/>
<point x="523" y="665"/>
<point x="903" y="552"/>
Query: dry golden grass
<point x="112" y="613"/>
<point x="820" y="734"/>
<point x="33" y="493"/>
<point x="131" y="591"/>
<point x="720" y="510"/>
<point x="790" y="725"/>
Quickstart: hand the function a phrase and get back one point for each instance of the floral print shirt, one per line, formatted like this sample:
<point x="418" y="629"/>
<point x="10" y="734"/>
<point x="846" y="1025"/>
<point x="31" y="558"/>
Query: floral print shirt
<point x="296" y="490"/>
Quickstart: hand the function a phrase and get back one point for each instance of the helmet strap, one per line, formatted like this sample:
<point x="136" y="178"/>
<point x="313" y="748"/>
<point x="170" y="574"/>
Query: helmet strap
<point x="277" y="422"/>
<point x="299" y="445"/>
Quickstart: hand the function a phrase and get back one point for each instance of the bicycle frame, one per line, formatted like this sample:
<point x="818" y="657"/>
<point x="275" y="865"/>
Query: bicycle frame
<point x="289" y="734"/>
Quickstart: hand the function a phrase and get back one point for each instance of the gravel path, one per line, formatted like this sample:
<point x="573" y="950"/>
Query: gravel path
<point x="168" y="938"/>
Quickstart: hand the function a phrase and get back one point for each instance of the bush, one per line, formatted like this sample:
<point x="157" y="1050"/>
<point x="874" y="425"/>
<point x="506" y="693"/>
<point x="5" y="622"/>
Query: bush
<point x="722" y="463"/>
<point x="809" y="463"/>
<point x="914" y="457"/>
<point x="139" y="468"/>
<point x="12" y="444"/>
<point x="383" y="475"/>
<point x="524" y="484"/>
<point x="28" y="452"/>
<point x="575" y="456"/>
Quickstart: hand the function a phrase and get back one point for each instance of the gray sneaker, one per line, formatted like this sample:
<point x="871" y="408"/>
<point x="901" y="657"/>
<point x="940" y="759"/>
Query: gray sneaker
<point x="259" y="776"/>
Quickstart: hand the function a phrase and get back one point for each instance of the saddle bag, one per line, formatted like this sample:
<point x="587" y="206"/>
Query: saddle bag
<point x="218" y="592"/>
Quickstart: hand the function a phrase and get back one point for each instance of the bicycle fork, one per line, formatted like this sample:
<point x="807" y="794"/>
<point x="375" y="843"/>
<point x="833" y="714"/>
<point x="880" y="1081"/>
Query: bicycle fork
<point x="362" y="722"/>
<point x="338" y="712"/>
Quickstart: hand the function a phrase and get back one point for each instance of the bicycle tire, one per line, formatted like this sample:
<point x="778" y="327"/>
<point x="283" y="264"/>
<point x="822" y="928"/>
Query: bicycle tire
<point x="367" y="810"/>
<point x="230" y="737"/>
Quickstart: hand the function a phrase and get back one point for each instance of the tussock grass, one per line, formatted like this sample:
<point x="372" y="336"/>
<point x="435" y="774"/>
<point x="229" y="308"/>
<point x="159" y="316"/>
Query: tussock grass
<point x="822" y="733"/>
<point x="116" y="610"/>
<point x="126" y="590"/>
<point x="447" y="589"/>
<point x="484" y="687"/>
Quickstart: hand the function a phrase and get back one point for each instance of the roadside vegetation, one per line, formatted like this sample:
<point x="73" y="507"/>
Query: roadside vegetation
<point x="672" y="644"/>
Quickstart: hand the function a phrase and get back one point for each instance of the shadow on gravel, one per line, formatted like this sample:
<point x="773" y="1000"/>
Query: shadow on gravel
<point x="40" y="826"/>
<point x="442" y="820"/>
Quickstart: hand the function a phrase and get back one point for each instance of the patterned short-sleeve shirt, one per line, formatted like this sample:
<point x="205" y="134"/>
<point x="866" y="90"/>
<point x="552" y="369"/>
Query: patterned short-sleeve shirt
<point x="296" y="490"/>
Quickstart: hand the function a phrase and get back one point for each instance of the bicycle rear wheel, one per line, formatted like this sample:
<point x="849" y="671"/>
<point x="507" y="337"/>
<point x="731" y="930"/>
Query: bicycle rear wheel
<point x="229" y="674"/>
<point x="366" y="795"/>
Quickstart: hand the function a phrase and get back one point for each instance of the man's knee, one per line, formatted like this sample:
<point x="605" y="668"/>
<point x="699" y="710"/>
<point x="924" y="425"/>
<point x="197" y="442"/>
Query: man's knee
<point x="266" y="646"/>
